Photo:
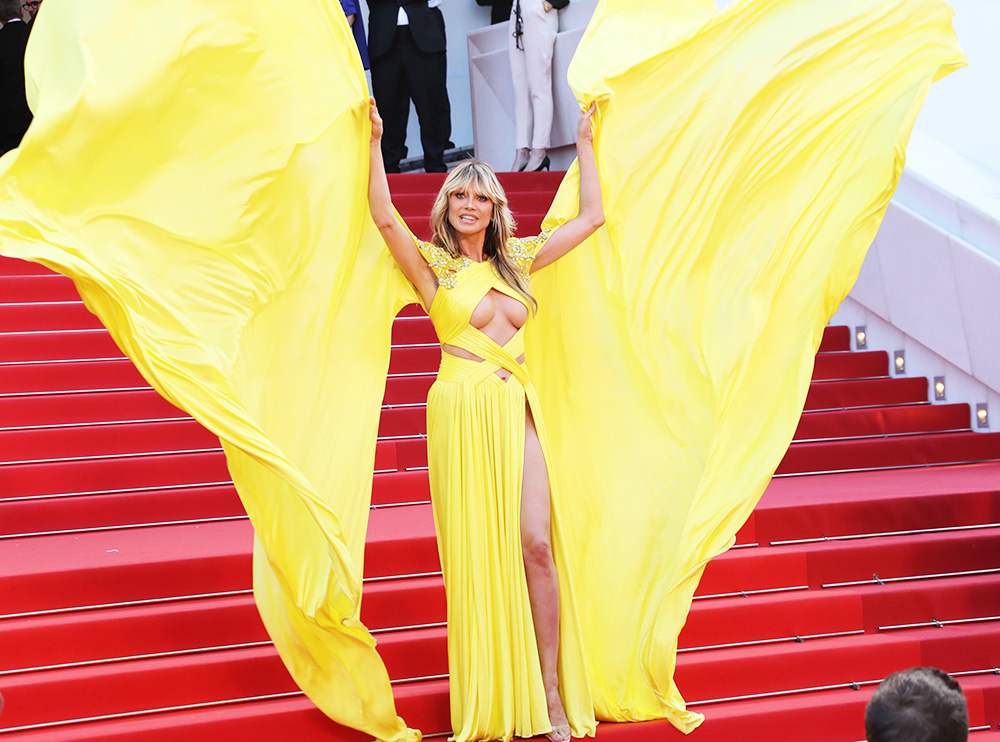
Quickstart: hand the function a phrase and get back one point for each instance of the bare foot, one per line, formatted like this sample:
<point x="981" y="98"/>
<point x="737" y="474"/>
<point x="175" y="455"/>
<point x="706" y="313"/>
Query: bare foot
<point x="557" y="718"/>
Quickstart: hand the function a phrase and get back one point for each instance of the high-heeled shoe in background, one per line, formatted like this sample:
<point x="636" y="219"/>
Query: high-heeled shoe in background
<point x="544" y="165"/>
<point x="539" y="160"/>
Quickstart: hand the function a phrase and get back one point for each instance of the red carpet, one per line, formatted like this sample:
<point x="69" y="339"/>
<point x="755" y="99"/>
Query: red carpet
<point x="125" y="553"/>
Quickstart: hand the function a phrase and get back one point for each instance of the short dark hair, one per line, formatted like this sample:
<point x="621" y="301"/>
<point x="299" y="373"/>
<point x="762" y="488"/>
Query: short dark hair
<point x="922" y="704"/>
<point x="10" y="9"/>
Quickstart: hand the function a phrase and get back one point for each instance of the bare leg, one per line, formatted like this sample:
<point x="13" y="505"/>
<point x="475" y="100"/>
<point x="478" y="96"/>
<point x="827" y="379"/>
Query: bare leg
<point x="540" y="570"/>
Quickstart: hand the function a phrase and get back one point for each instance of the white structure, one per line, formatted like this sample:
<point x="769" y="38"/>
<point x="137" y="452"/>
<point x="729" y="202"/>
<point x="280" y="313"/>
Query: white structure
<point x="931" y="284"/>
<point x="493" y="93"/>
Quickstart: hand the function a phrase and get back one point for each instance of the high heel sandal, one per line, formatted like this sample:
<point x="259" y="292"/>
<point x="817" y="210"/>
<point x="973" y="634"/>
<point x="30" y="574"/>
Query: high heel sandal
<point x="559" y="733"/>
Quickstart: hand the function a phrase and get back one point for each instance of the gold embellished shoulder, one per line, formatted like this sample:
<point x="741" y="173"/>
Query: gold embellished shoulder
<point x="444" y="265"/>
<point x="522" y="250"/>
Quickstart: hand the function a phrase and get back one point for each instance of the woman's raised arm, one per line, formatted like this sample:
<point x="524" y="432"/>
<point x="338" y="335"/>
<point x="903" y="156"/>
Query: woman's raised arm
<point x="591" y="214"/>
<point x="397" y="237"/>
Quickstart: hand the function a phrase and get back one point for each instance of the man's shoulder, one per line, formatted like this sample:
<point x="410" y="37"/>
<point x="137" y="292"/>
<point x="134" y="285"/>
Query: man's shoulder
<point x="15" y="29"/>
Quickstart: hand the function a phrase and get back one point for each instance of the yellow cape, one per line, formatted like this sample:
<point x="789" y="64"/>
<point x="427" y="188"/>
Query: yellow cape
<point x="202" y="178"/>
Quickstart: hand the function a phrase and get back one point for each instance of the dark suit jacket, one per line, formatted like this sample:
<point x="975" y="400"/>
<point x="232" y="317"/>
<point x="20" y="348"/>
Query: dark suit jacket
<point x="426" y="25"/>
<point x="14" y="113"/>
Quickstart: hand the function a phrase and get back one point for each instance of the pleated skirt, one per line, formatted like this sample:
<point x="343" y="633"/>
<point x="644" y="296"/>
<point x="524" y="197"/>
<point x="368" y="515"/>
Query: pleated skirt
<point x="476" y="426"/>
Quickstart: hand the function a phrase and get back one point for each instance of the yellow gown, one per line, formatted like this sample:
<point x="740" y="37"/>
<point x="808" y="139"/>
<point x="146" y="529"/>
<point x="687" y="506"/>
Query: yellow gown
<point x="202" y="178"/>
<point x="475" y="452"/>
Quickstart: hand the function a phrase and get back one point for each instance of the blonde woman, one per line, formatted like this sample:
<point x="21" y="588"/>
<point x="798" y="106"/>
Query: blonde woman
<point x="514" y="651"/>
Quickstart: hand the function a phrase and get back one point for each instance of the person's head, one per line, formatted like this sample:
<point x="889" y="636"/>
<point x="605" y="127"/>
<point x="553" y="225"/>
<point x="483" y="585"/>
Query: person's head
<point x="472" y="189"/>
<point x="922" y="704"/>
<point x="471" y="201"/>
<point x="31" y="7"/>
<point x="9" y="10"/>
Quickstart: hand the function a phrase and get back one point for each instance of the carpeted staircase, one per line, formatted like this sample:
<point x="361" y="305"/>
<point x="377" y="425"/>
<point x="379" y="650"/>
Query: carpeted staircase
<point x="125" y="603"/>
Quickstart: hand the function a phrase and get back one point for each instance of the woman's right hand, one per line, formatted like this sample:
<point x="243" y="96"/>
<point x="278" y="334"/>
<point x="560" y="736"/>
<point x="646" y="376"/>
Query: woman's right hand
<point x="376" y="120"/>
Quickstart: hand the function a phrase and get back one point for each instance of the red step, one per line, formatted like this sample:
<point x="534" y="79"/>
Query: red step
<point x="394" y="488"/>
<point x="403" y="421"/>
<point x="412" y="310"/>
<point x="105" y="440"/>
<point x="34" y="317"/>
<point x="72" y="376"/>
<point x="106" y="633"/>
<point x="407" y="390"/>
<point x="57" y="346"/>
<point x="873" y="453"/>
<point x="836" y="338"/>
<point x="835" y="395"/>
<point x="101" y="475"/>
<point x="989" y="686"/>
<point x="93" y="691"/>
<point x="851" y="365"/>
<point x="409" y="601"/>
<point x="406" y="360"/>
<point x="902" y="556"/>
<point x="878" y="502"/>
<point x="720" y="621"/>
<point x="17" y="267"/>
<point x="87" y="407"/>
<point x="748" y="670"/>
<point x="29" y="514"/>
<point x="927" y="601"/>
<point x="131" y="507"/>
<point x="962" y="648"/>
<point x="15" y="289"/>
<point x="520" y="202"/>
<point x="55" y="572"/>
<point x="421" y="704"/>
<point x="871" y="421"/>
<point x="417" y="328"/>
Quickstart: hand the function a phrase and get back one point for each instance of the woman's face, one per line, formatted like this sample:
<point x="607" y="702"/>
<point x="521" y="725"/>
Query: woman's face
<point x="469" y="212"/>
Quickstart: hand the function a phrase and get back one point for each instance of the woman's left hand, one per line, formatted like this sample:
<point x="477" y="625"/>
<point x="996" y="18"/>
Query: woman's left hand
<point x="584" y="130"/>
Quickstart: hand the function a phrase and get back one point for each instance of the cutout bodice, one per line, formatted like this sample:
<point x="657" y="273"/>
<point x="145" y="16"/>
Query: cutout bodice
<point x="462" y="285"/>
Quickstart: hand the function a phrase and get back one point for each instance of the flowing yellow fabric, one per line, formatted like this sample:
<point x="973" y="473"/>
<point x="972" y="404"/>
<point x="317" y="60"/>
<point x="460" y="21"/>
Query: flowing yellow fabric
<point x="746" y="159"/>
<point x="200" y="171"/>
<point x="201" y="176"/>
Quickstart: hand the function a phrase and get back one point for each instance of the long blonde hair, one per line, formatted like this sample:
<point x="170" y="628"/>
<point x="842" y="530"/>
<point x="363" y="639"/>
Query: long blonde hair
<point x="480" y="178"/>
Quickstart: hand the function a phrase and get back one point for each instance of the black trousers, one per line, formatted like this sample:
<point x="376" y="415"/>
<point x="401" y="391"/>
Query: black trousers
<point x="402" y="74"/>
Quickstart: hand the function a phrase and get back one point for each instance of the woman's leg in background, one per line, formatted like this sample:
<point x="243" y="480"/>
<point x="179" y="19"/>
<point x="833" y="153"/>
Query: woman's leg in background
<point x="540" y="29"/>
<point x="522" y="103"/>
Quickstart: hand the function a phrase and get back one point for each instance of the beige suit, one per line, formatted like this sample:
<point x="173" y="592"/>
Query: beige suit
<point x="531" y="70"/>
